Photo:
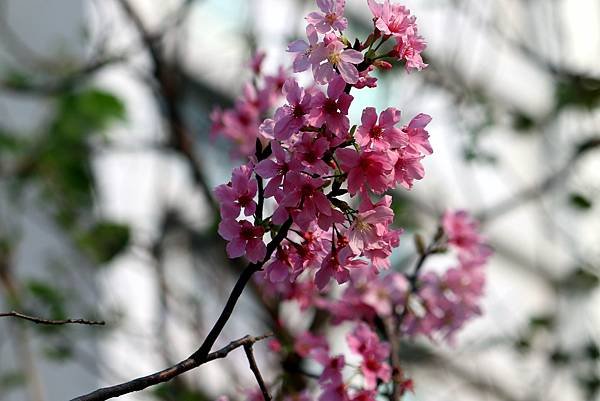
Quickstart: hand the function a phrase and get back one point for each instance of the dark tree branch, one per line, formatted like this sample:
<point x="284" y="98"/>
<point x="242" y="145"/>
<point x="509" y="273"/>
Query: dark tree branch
<point x="256" y="371"/>
<point x="40" y="320"/>
<point x="167" y="374"/>
<point x="202" y="354"/>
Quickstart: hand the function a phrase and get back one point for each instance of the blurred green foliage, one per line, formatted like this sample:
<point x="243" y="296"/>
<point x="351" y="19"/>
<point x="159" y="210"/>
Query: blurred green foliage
<point x="104" y="240"/>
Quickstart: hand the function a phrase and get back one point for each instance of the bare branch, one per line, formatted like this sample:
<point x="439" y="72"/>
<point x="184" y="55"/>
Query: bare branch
<point x="256" y="371"/>
<point x="202" y="355"/>
<point x="39" y="320"/>
<point x="167" y="374"/>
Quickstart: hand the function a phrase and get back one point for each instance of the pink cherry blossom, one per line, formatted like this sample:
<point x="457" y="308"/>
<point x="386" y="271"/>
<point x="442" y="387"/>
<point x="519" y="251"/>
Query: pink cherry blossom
<point x="391" y="19"/>
<point x="380" y="136"/>
<point x="308" y="344"/>
<point x="244" y="239"/>
<point x="345" y="60"/>
<point x="409" y="49"/>
<point x="418" y="137"/>
<point x="331" y="17"/>
<point x="365" y="80"/>
<point x="238" y="194"/>
<point x="291" y="117"/>
<point x="369" y="227"/>
<point x="310" y="151"/>
<point x="334" y="392"/>
<point x="408" y="167"/>
<point x="276" y="169"/>
<point x="308" y="54"/>
<point x="332" y="369"/>
<point x="332" y="109"/>
<point x="256" y="62"/>
<point x="365" y="342"/>
<point x="337" y="264"/>
<point x="366" y="170"/>
<point x="279" y="268"/>
<point x="463" y="234"/>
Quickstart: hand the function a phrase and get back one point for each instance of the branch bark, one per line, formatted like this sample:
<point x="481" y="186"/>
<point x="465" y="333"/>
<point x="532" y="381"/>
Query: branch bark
<point x="256" y="371"/>
<point x="201" y="355"/>
<point x="39" y="320"/>
<point x="167" y="374"/>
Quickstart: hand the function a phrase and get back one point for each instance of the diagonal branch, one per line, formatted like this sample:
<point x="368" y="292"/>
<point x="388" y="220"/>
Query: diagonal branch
<point x="202" y="355"/>
<point x="169" y="373"/>
<point x="39" y="320"/>
<point x="256" y="371"/>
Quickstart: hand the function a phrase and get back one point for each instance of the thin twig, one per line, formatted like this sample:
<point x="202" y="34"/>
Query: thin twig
<point x="256" y="371"/>
<point x="552" y="180"/>
<point x="39" y="320"/>
<point x="167" y="374"/>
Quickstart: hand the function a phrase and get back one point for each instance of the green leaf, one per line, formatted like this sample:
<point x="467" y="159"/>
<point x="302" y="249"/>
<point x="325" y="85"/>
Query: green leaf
<point x="10" y="380"/>
<point x="105" y="240"/>
<point x="17" y="79"/>
<point x="84" y="112"/>
<point x="50" y="299"/>
<point x="59" y="352"/>
<point x="579" y="280"/>
<point x="591" y="351"/>
<point x="580" y="201"/>
<point x="522" y="122"/>
<point x="577" y="91"/>
<point x="542" y="322"/>
<point x="9" y="142"/>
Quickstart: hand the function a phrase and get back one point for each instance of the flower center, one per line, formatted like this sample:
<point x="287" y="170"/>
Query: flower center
<point x="376" y="132"/>
<point x="331" y="18"/>
<point x="334" y="58"/>
<point x="247" y="233"/>
<point x="307" y="190"/>
<point x="330" y="106"/>
<point x="298" y="111"/>
<point x="361" y="225"/>
<point x="245" y="200"/>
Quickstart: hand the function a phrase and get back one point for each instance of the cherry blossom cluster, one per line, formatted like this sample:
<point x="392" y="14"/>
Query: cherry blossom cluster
<point x="311" y="204"/>
<point x="308" y="152"/>
<point x="240" y="123"/>
<point x="436" y="304"/>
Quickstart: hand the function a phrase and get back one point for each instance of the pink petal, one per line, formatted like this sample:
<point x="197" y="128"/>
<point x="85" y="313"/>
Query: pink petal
<point x="229" y="229"/>
<point x="348" y="158"/>
<point x="352" y="56"/>
<point x="348" y="72"/>
<point x="266" y="168"/>
<point x="368" y="117"/>
<point x="389" y="117"/>
<point x="297" y="46"/>
<point x="236" y="248"/>
<point x="256" y="250"/>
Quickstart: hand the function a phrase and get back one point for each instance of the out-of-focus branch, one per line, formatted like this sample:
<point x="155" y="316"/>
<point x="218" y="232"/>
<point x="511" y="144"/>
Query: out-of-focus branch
<point x="60" y="85"/>
<point x="256" y="371"/>
<point x="39" y="320"/>
<point x="539" y="189"/>
<point x="170" y="93"/>
<point x="169" y="373"/>
<point x="394" y="339"/>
